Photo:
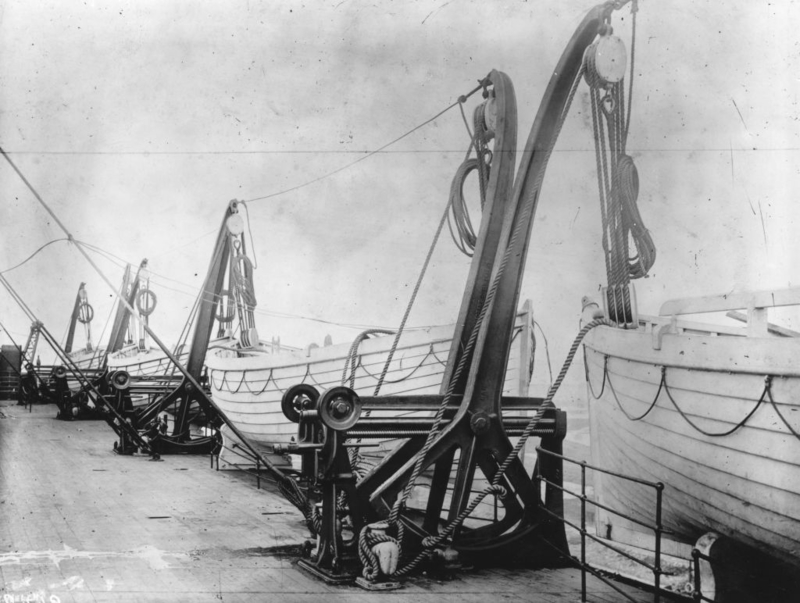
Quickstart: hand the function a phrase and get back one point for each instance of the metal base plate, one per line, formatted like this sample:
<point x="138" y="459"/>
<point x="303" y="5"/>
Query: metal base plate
<point x="326" y="575"/>
<point x="367" y="585"/>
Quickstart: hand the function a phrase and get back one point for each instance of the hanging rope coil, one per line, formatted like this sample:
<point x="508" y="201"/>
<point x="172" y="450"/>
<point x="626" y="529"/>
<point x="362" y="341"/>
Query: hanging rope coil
<point x="460" y="224"/>
<point x="458" y="220"/>
<point x="243" y="281"/>
<point x="628" y="181"/>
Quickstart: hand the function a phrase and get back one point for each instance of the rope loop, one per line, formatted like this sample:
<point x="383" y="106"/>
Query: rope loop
<point x="85" y="313"/>
<point x="225" y="311"/>
<point x="146" y="302"/>
<point x="242" y="281"/>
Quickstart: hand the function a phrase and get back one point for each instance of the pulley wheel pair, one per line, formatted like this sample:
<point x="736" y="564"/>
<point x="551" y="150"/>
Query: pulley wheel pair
<point x="338" y="408"/>
<point x="60" y="372"/>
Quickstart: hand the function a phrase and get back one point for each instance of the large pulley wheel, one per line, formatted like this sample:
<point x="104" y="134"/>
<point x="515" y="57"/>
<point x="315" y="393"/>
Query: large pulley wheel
<point x="120" y="380"/>
<point x="297" y="398"/>
<point x="339" y="408"/>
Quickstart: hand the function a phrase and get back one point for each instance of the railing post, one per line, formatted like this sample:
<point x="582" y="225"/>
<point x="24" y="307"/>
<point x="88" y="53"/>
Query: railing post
<point x="697" y="594"/>
<point x="658" y="530"/>
<point x="258" y="473"/>
<point x="583" y="531"/>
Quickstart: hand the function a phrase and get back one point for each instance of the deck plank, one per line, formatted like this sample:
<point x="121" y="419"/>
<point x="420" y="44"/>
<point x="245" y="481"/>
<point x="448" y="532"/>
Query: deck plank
<point x="80" y="523"/>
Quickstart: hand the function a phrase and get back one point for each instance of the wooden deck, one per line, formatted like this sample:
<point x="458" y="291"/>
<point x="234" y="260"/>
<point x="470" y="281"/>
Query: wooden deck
<point x="78" y="523"/>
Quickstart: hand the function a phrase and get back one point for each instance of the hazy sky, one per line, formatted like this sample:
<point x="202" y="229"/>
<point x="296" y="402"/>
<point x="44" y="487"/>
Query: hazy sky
<point x="139" y="121"/>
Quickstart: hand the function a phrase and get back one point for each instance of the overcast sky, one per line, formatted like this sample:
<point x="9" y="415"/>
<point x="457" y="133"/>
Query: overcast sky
<point x="138" y="122"/>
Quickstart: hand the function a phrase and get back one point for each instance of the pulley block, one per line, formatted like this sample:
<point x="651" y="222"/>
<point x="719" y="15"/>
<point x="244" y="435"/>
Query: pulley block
<point x="606" y="60"/>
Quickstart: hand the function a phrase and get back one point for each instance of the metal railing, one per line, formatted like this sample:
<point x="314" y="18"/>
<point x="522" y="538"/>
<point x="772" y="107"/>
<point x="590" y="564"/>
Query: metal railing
<point x="249" y="459"/>
<point x="697" y="593"/>
<point x="581" y="562"/>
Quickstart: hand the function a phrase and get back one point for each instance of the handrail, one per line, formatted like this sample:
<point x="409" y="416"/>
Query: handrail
<point x="732" y="301"/>
<point x="585" y="567"/>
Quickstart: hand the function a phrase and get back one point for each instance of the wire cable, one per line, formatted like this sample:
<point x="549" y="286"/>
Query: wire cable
<point x="30" y="257"/>
<point x="370" y="153"/>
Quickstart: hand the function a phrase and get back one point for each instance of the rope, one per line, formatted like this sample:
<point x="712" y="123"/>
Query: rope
<point x="785" y="422"/>
<point x="371" y="153"/>
<point x="369" y="560"/>
<point x="460" y="225"/>
<point x="31" y="256"/>
<point x="652" y="405"/>
<point x="495" y="487"/>
<point x="520" y="222"/>
<point x="742" y="423"/>
<point x="400" y="379"/>
<point x="662" y="386"/>
<point x="589" y="381"/>
<point x="351" y="360"/>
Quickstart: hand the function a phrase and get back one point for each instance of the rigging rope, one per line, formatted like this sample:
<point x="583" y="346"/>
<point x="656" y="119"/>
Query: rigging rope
<point x="31" y="256"/>
<point x="618" y="182"/>
<point x="371" y="153"/>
